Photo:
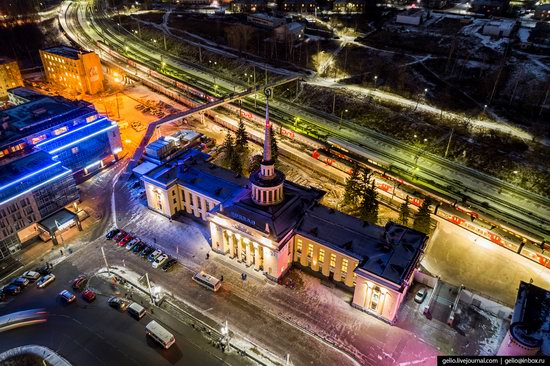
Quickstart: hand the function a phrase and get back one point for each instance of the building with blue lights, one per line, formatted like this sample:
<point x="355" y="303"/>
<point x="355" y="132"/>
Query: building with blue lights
<point x="47" y="144"/>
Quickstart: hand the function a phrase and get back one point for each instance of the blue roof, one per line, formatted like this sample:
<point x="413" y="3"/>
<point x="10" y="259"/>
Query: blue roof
<point x="40" y="114"/>
<point x="28" y="172"/>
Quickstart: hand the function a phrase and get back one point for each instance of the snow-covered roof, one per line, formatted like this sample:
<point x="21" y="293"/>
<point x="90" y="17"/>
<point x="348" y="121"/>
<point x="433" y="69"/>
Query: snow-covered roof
<point x="144" y="168"/>
<point x="388" y="252"/>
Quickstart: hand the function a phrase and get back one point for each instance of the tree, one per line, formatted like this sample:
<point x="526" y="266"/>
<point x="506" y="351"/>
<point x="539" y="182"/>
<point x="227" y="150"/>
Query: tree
<point x="368" y="209"/>
<point x="422" y="217"/>
<point x="236" y="164"/>
<point x="229" y="149"/>
<point x="274" y="147"/>
<point x="241" y="138"/>
<point x="353" y="187"/>
<point x="404" y="213"/>
<point x="254" y="163"/>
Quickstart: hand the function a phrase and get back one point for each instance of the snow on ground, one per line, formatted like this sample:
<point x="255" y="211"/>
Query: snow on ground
<point x="489" y="345"/>
<point x="523" y="34"/>
<point x="475" y="30"/>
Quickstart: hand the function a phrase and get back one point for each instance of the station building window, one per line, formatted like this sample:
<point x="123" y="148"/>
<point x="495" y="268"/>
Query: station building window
<point x="309" y="250"/>
<point x="332" y="260"/>
<point x="321" y="258"/>
<point x="299" y="246"/>
<point x="344" y="266"/>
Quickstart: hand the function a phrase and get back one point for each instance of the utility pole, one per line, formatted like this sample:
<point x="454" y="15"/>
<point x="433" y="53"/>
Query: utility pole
<point x="449" y="143"/>
<point x="149" y="287"/>
<point x="164" y="37"/>
<point x="333" y="102"/>
<point x="139" y="30"/>
<point x="105" y="259"/>
<point x="200" y="53"/>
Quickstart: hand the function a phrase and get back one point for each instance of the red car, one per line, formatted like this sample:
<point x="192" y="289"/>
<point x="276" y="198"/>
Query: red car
<point x="80" y="282"/>
<point x="88" y="295"/>
<point x="118" y="237"/>
<point x="125" y="241"/>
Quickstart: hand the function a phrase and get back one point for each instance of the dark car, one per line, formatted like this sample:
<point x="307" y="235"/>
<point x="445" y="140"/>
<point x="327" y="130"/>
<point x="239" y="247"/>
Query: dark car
<point x="111" y="234"/>
<point x="20" y="281"/>
<point x="80" y="282"/>
<point x="117" y="303"/>
<point x="67" y="296"/>
<point x="168" y="265"/>
<point x="43" y="270"/>
<point x="3" y="296"/>
<point x="145" y="252"/>
<point x="138" y="248"/>
<point x="11" y="290"/>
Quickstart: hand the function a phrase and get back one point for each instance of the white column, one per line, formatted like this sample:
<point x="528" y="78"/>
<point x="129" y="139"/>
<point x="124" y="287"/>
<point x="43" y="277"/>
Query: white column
<point x="257" y="258"/>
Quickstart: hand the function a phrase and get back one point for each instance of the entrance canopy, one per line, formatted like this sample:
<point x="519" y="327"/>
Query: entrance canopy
<point x="62" y="219"/>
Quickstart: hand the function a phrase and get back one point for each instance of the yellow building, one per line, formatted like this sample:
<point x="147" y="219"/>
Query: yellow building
<point x="73" y="69"/>
<point x="10" y="76"/>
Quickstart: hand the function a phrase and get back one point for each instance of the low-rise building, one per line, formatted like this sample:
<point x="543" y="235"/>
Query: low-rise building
<point x="348" y="6"/>
<point x="289" y="32"/>
<point x="10" y="76"/>
<point x="542" y="12"/>
<point x="411" y="17"/>
<point x="249" y="6"/>
<point x="73" y="68"/>
<point x="21" y="95"/>
<point x="298" y="6"/>
<point x="500" y="28"/>
<point x="264" y="20"/>
<point x="529" y="332"/>
<point x="490" y="7"/>
<point x="270" y="224"/>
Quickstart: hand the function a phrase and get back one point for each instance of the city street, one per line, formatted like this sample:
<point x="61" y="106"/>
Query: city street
<point x="96" y="334"/>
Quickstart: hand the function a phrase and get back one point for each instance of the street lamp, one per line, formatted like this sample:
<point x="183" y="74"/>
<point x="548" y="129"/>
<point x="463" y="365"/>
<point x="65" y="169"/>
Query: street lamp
<point x="418" y="99"/>
<point x="341" y="115"/>
<point x="375" y="80"/>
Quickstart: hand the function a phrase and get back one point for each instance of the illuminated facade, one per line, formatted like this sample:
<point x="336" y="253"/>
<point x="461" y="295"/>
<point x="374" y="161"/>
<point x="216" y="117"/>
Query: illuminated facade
<point x="31" y="188"/>
<point x="73" y="68"/>
<point x="270" y="224"/>
<point x="45" y="144"/>
<point x="10" y="76"/>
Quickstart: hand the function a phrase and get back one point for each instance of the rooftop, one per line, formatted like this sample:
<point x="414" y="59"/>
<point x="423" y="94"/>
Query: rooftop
<point x="193" y="171"/>
<point x="65" y="51"/>
<point x="19" y="175"/>
<point x="38" y="114"/>
<point x="277" y="220"/>
<point x="5" y="60"/>
<point x="531" y="318"/>
<point x="388" y="252"/>
<point x="25" y="93"/>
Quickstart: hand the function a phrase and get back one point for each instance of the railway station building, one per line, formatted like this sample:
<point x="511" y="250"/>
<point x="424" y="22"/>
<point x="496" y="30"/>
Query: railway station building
<point x="73" y="68"/>
<point x="270" y="224"/>
<point x="10" y="76"/>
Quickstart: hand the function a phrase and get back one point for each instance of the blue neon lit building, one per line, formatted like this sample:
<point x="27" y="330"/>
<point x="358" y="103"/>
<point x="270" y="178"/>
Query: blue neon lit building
<point x="46" y="143"/>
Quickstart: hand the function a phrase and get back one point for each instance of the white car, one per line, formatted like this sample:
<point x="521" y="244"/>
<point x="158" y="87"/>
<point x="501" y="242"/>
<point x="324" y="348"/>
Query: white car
<point x="45" y="281"/>
<point x="31" y="275"/>
<point x="160" y="260"/>
<point x="153" y="256"/>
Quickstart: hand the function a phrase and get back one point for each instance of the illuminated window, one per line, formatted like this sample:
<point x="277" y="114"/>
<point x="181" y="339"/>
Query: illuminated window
<point x="74" y="150"/>
<point x="375" y="299"/>
<point x="354" y="278"/>
<point x="299" y="246"/>
<point x="37" y="139"/>
<point x="344" y="265"/>
<point x="321" y="258"/>
<point x="333" y="260"/>
<point x="60" y="130"/>
<point x="309" y="250"/>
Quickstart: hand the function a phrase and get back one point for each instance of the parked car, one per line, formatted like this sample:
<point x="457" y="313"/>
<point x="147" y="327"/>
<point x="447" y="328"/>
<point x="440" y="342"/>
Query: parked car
<point x="125" y="240"/>
<point x="118" y="237"/>
<point x="420" y="295"/>
<point x="138" y="247"/>
<point x="159" y="261"/>
<point x="80" y="282"/>
<point x="11" y="290"/>
<point x="131" y="244"/>
<point x="117" y="303"/>
<point x="3" y="296"/>
<point x="19" y="281"/>
<point x="67" y="296"/>
<point x="31" y="275"/>
<point x="45" y="281"/>
<point x="169" y="265"/>
<point x="44" y="270"/>
<point x="88" y="295"/>
<point x="154" y="255"/>
<point x="145" y="252"/>
<point x="112" y="233"/>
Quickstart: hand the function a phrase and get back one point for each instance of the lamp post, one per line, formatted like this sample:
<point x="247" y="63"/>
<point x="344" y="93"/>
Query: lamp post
<point x="341" y="116"/>
<point x="375" y="81"/>
<point x="419" y="96"/>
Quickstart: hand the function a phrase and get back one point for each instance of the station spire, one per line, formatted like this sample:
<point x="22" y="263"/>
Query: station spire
<point x="267" y="132"/>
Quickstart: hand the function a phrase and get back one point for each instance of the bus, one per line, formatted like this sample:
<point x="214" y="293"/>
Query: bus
<point x="208" y="281"/>
<point x="160" y="334"/>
